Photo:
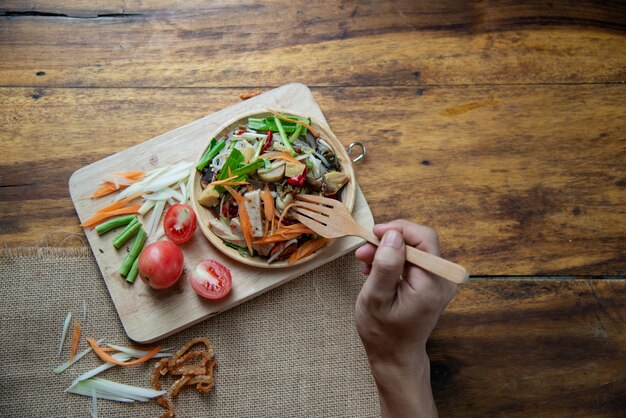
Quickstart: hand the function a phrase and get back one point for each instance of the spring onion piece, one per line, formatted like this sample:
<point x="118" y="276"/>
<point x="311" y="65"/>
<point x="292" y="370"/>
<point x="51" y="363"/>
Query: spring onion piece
<point x="213" y="149"/>
<point x="189" y="186"/>
<point x="66" y="326"/>
<point x="158" y="180"/>
<point x="133" y="253"/>
<point x="268" y="124"/>
<point x="139" y="186"/>
<point x="63" y="367"/>
<point x="126" y="234"/>
<point x="134" y="270"/>
<point x="295" y="134"/>
<point x="156" y="217"/>
<point x="283" y="136"/>
<point x="145" y="208"/>
<point x="137" y="353"/>
<point x="106" y="366"/>
<point x="107" y="389"/>
<point x="164" y="194"/>
<point x="94" y="404"/>
<point x="114" y="223"/>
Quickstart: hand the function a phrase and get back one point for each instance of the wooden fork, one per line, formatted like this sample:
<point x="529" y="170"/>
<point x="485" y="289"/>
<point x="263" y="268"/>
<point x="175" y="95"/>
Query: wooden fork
<point x="331" y="219"/>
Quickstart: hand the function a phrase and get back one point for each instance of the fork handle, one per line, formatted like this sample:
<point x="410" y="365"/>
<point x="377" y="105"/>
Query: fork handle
<point x="436" y="265"/>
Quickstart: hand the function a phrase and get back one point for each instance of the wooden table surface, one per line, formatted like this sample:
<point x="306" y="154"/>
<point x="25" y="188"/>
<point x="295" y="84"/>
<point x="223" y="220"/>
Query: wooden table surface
<point x="500" y="124"/>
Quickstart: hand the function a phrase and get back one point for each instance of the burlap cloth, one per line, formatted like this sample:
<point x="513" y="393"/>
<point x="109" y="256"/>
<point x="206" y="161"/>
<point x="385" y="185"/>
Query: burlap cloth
<point x="293" y="351"/>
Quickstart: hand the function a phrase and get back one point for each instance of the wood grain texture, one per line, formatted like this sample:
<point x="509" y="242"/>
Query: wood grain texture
<point x="543" y="348"/>
<point x="517" y="180"/>
<point x="318" y="43"/>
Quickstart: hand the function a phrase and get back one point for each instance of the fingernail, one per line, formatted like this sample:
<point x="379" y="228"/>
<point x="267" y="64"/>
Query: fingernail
<point x="392" y="238"/>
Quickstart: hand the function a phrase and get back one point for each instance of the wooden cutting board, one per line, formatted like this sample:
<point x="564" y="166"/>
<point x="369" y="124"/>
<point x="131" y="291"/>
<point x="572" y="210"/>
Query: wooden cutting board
<point x="148" y="315"/>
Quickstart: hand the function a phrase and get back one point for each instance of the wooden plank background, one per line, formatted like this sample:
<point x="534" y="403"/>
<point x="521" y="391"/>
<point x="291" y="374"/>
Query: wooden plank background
<point x="502" y="124"/>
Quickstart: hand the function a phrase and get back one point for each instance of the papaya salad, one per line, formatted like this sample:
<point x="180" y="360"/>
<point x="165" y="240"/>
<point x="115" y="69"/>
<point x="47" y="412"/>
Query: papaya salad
<point x="250" y="177"/>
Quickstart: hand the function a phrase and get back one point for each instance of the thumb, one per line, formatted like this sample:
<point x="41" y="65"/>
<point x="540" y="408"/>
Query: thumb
<point x="388" y="265"/>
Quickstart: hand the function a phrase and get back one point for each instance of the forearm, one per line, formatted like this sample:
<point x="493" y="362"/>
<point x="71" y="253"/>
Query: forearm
<point x="405" y="391"/>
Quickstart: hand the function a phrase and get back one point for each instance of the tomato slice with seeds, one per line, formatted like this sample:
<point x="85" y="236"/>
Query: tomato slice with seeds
<point x="180" y="223"/>
<point x="211" y="279"/>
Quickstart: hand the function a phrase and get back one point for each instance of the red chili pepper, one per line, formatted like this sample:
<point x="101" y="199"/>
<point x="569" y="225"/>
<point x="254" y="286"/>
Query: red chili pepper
<point x="268" y="142"/>
<point x="239" y="132"/>
<point x="298" y="180"/>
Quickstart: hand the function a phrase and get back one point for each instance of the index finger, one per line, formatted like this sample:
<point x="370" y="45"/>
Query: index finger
<point x="415" y="235"/>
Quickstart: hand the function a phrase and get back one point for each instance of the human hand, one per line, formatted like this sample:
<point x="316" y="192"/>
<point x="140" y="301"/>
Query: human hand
<point x="396" y="310"/>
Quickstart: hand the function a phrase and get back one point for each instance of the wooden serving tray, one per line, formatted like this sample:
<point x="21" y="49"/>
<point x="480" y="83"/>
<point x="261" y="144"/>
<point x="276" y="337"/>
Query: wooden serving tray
<point x="148" y="315"/>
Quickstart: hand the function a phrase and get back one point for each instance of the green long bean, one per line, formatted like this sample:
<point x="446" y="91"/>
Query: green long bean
<point x="133" y="253"/>
<point x="134" y="270"/>
<point x="114" y="223"/>
<point x="130" y="230"/>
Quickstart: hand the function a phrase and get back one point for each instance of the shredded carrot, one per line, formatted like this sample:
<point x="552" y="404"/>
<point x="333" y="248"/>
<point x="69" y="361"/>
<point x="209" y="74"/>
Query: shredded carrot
<point x="281" y="156"/>
<point x="131" y="174"/>
<point x="280" y="237"/>
<point x="307" y="249"/>
<point x="100" y="217"/>
<point x="109" y="349"/>
<point x="314" y="132"/>
<point x="268" y="207"/>
<point x="246" y="227"/>
<point x="284" y="212"/>
<point x="285" y="234"/>
<point x="228" y="182"/>
<point x="120" y="204"/>
<point x="106" y="189"/>
<point x="108" y="358"/>
<point x="109" y="187"/>
<point x="75" y="340"/>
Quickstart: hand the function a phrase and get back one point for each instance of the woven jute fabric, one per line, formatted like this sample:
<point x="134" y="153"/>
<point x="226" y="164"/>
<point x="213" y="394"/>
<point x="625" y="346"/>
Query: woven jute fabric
<point x="291" y="352"/>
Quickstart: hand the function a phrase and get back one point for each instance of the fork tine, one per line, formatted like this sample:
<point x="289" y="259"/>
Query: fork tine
<point x="314" y="207"/>
<point x="314" y="225"/>
<point x="313" y="215"/>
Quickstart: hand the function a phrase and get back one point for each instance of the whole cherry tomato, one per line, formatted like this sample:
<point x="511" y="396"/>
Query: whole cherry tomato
<point x="160" y="264"/>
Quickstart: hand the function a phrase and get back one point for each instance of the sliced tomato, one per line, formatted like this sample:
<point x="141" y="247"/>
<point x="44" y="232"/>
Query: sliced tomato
<point x="211" y="280"/>
<point x="180" y="223"/>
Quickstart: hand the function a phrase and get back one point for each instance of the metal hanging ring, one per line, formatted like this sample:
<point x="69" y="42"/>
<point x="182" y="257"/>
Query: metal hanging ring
<point x="361" y="155"/>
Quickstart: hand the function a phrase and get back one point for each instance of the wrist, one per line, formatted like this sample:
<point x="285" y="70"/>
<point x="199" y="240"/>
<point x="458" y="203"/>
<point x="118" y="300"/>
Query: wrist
<point x="404" y="386"/>
<point x="413" y="367"/>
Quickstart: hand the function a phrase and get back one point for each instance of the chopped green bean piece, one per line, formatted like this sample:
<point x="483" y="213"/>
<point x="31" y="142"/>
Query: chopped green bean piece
<point x="133" y="253"/>
<point x="134" y="270"/>
<point x="126" y="234"/>
<point x="114" y="223"/>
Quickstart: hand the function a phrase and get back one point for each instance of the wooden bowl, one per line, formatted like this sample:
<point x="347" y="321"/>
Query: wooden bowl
<point x="204" y="214"/>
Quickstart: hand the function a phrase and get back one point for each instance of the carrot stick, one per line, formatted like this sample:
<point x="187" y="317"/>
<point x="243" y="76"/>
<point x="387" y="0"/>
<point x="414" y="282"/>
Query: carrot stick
<point x="227" y="181"/>
<point x="307" y="249"/>
<point x="75" y="340"/>
<point x="131" y="174"/>
<point x="281" y="156"/>
<point x="268" y="207"/>
<point x="119" y="204"/>
<point x="103" y="216"/>
<point x="108" y="358"/>
<point x="107" y="188"/>
<point x="246" y="227"/>
<point x="314" y="132"/>
<point x="277" y="238"/>
<point x="284" y="212"/>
